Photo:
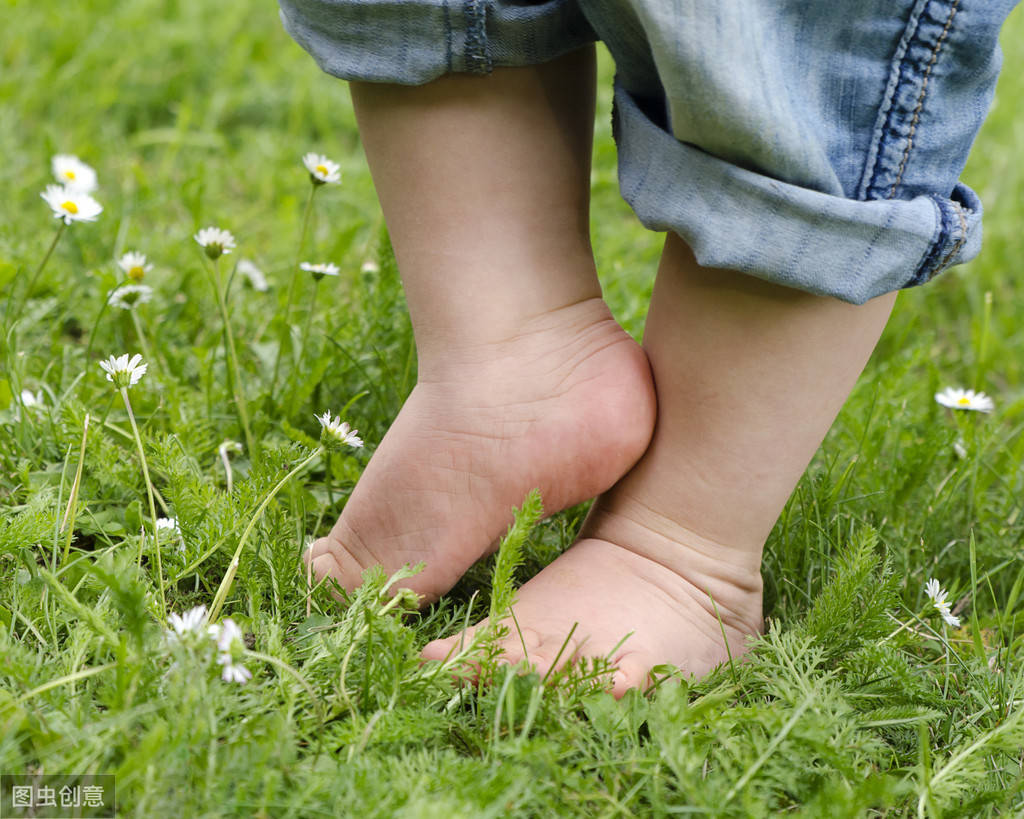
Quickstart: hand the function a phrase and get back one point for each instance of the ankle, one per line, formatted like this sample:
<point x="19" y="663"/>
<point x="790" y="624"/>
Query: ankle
<point x="539" y="342"/>
<point x="725" y="578"/>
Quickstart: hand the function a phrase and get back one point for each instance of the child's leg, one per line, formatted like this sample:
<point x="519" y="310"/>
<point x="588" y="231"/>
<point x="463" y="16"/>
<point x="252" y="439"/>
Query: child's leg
<point x="525" y="379"/>
<point x="749" y="377"/>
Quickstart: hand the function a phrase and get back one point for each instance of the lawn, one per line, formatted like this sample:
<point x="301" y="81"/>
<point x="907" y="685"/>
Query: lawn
<point x="859" y="700"/>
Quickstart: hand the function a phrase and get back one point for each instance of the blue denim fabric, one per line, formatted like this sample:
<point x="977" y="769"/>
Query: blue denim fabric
<point x="410" y="42"/>
<point x="812" y="143"/>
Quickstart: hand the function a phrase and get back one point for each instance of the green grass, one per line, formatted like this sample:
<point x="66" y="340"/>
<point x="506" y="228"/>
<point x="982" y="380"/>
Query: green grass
<point x="856" y="702"/>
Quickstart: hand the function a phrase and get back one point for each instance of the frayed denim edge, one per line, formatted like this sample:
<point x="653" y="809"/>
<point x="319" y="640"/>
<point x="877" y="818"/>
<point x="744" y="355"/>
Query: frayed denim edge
<point x="930" y="263"/>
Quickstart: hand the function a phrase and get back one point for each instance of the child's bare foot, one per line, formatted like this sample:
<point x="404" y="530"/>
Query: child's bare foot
<point x="749" y="377"/>
<point x="565" y="406"/>
<point x="679" y="597"/>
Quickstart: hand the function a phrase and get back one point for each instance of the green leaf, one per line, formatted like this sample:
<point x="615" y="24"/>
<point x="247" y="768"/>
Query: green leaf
<point x="510" y="554"/>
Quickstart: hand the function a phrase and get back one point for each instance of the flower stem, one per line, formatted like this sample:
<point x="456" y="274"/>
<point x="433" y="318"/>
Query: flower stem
<point x="309" y="317"/>
<point x="305" y="340"/>
<point x="229" y="575"/>
<point x="99" y="317"/>
<point x="224" y="459"/>
<point x="233" y="370"/>
<point x="46" y="258"/>
<point x="982" y="356"/>
<point x="283" y="335"/>
<point x="38" y="273"/>
<point x="72" y="508"/>
<point x="141" y="335"/>
<point x="152" y="504"/>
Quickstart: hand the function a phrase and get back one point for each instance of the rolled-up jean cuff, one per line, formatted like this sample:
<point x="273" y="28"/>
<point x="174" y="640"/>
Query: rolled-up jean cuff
<point x="741" y="220"/>
<point x="406" y="43"/>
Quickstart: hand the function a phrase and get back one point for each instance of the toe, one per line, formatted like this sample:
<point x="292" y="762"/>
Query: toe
<point x="520" y="642"/>
<point x="316" y="548"/>
<point x="631" y="671"/>
<point x="448" y="647"/>
<point x="325" y="566"/>
<point x="440" y="649"/>
<point x="329" y="559"/>
<point x="543" y="652"/>
<point x="328" y="570"/>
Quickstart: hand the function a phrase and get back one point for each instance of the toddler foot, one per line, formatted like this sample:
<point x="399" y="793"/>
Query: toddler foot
<point x="565" y="406"/>
<point x="682" y="600"/>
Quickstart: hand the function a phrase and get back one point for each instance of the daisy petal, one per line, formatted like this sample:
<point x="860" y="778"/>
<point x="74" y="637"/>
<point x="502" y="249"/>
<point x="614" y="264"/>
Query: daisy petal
<point x="70" y="204"/>
<point x="321" y="170"/>
<point x="72" y="172"/>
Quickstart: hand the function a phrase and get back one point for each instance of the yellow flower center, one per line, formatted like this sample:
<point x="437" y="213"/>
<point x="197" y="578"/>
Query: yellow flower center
<point x="136" y="273"/>
<point x="69" y="174"/>
<point x="70" y="207"/>
<point x="321" y="169"/>
<point x="963" y="402"/>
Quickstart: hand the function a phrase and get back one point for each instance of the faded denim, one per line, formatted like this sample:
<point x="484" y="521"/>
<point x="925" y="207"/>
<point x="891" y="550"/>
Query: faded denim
<point x="813" y="143"/>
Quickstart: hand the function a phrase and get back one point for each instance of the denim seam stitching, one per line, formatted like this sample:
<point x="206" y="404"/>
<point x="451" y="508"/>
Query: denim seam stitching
<point x="889" y="101"/>
<point x="959" y="242"/>
<point x="880" y="231"/>
<point x="920" y="100"/>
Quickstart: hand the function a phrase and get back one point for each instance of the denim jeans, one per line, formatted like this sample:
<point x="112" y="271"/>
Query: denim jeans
<point x="812" y="143"/>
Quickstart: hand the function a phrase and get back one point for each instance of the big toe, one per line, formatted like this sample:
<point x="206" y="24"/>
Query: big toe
<point x="328" y="561"/>
<point x="447" y="647"/>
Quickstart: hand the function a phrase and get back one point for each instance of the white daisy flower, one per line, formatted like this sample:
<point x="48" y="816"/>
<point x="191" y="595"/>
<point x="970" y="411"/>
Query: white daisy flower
<point x="253" y="275"/>
<point x="124" y="371"/>
<point x="226" y="634"/>
<point x="134" y="265"/>
<point x="71" y="205"/>
<point x="335" y="433"/>
<point x="229" y="643"/>
<point x="215" y="241"/>
<point x="233" y="671"/>
<point x="31" y="399"/>
<point x="188" y="623"/>
<point x="321" y="170"/>
<point x="370" y="266"/>
<point x="72" y="172"/>
<point x="938" y="597"/>
<point x="320" y="270"/>
<point x="956" y="398"/>
<point x="130" y="296"/>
